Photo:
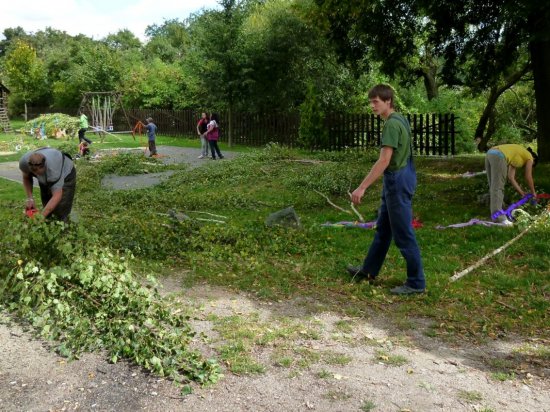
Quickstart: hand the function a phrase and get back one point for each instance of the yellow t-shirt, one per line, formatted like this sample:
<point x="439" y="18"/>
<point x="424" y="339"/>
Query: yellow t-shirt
<point x="515" y="154"/>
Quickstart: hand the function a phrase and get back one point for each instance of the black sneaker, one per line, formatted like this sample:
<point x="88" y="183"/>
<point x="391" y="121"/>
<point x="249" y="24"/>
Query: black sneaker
<point x="405" y="290"/>
<point x="358" y="275"/>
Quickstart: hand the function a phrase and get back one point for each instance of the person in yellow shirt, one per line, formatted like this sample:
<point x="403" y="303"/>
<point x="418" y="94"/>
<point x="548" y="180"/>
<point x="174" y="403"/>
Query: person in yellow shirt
<point x="501" y="162"/>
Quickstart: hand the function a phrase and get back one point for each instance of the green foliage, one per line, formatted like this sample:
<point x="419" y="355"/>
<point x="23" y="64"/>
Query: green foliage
<point x="123" y="40"/>
<point x="328" y="178"/>
<point x="155" y="85"/>
<point x="94" y="67"/>
<point x="53" y="123"/>
<point x="455" y="100"/>
<point x="75" y="291"/>
<point x="515" y="115"/>
<point x="284" y="50"/>
<point x="25" y="72"/>
<point x="214" y="62"/>
<point x="368" y="406"/>
<point x="313" y="132"/>
<point x="168" y="41"/>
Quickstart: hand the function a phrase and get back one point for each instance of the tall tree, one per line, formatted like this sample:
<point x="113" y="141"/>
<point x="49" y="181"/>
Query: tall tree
<point x="284" y="52"/>
<point x="10" y="35"/>
<point x="123" y="40"/>
<point x="482" y="41"/>
<point x="26" y="73"/>
<point x="169" y="41"/>
<point x="391" y="32"/>
<point x="212" y="64"/>
<point x="94" y="67"/>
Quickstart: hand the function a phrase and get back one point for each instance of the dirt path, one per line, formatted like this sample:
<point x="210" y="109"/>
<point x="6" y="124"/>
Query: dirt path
<point x="430" y="375"/>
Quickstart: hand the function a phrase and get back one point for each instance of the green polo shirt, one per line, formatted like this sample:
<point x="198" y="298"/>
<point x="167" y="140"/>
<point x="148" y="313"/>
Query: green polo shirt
<point x="397" y="134"/>
<point x="83" y="122"/>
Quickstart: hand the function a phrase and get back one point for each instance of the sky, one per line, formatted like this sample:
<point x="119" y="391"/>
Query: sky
<point x="95" y="18"/>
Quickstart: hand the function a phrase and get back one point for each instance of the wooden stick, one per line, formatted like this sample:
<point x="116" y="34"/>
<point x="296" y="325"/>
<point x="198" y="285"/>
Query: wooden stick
<point x="207" y="213"/>
<point x="210" y="220"/>
<point x="357" y="213"/>
<point x="332" y="204"/>
<point x="355" y="210"/>
<point x="485" y="258"/>
<point x="505" y="305"/>
<point x="98" y="129"/>
<point x="307" y="161"/>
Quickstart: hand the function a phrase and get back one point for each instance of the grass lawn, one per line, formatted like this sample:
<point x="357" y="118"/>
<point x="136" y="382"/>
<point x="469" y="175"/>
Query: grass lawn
<point x="507" y="294"/>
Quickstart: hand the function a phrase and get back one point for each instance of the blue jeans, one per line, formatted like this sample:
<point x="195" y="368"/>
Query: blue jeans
<point x="204" y="145"/>
<point x="395" y="222"/>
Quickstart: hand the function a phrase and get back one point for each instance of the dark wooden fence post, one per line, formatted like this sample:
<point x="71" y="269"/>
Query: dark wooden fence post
<point x="452" y="134"/>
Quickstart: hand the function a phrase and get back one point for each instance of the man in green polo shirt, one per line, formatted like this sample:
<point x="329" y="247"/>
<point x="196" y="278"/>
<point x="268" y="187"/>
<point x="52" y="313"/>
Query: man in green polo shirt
<point x="399" y="183"/>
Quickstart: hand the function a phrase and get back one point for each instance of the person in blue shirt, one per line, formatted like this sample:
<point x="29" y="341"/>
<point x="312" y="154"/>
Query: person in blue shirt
<point x="152" y="135"/>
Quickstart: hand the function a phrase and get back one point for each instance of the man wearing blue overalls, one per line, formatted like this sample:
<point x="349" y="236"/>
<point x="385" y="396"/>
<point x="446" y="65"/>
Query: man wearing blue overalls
<point x="399" y="183"/>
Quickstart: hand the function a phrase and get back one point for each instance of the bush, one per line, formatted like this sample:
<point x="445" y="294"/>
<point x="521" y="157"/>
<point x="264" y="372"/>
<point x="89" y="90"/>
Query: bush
<point x="54" y="125"/>
<point x="74" y="290"/>
<point x="313" y="132"/>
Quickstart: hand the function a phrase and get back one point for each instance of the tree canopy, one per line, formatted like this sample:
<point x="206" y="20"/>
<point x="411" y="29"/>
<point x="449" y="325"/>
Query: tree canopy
<point x="486" y="47"/>
<point x="276" y="55"/>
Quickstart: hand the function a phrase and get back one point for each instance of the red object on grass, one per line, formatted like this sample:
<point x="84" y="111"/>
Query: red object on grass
<point x="417" y="223"/>
<point x="31" y="212"/>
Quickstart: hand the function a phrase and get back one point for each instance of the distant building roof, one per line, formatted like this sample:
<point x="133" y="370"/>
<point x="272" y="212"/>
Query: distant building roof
<point x="2" y="87"/>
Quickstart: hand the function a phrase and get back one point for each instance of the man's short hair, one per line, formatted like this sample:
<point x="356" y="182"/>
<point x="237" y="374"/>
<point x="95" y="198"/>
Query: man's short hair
<point x="36" y="159"/>
<point x="383" y="91"/>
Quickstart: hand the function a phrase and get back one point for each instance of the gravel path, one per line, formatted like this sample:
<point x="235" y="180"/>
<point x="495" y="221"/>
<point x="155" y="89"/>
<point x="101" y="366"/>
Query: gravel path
<point x="435" y="376"/>
<point x="168" y="155"/>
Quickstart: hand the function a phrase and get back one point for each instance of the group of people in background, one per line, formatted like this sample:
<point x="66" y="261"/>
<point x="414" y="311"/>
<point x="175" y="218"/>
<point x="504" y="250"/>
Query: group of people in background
<point x="208" y="130"/>
<point x="56" y="174"/>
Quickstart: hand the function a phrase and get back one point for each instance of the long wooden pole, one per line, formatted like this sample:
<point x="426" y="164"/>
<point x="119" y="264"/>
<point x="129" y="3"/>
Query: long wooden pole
<point x="495" y="252"/>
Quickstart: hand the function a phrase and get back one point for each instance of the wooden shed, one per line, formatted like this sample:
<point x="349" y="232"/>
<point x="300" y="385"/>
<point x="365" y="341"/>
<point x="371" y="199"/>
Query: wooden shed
<point x="4" y="120"/>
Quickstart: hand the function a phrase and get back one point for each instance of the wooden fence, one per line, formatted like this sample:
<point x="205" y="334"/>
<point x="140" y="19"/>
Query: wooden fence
<point x="433" y="133"/>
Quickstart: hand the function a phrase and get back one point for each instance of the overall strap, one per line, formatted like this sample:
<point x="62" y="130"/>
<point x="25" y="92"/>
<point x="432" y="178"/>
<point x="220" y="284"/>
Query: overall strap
<point x="407" y="125"/>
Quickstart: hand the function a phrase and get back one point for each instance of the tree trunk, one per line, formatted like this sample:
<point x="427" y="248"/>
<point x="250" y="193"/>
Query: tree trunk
<point x="429" y="74"/>
<point x="484" y="119"/>
<point x="26" y="112"/>
<point x="540" y="57"/>
<point x="480" y="134"/>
